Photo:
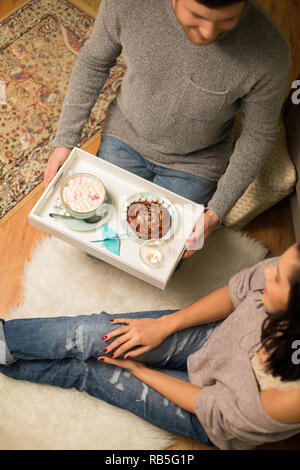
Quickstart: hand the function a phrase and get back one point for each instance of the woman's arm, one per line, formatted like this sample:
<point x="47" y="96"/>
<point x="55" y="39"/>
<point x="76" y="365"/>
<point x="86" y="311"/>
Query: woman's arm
<point x="145" y="333"/>
<point x="178" y="391"/>
<point x="213" y="307"/>
<point x="282" y="405"/>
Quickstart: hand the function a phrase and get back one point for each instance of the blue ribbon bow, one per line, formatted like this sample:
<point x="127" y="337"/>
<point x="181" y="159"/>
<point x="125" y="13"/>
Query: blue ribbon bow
<point x="111" y="239"/>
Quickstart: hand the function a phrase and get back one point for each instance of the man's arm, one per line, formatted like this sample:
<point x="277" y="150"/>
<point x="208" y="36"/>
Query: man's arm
<point x="261" y="109"/>
<point x="91" y="70"/>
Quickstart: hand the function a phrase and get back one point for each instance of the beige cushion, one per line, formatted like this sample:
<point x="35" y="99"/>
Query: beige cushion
<point x="275" y="181"/>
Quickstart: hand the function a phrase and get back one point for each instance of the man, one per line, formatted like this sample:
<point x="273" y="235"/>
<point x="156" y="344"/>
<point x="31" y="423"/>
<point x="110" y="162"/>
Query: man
<point x="191" y="65"/>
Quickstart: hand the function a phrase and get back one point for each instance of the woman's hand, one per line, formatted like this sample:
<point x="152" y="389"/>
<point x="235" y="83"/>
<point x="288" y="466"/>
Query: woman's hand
<point x="132" y="366"/>
<point x="179" y="391"/>
<point x="143" y="334"/>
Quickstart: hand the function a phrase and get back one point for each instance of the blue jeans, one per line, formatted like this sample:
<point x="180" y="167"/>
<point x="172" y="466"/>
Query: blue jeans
<point x="63" y="351"/>
<point x="192" y="187"/>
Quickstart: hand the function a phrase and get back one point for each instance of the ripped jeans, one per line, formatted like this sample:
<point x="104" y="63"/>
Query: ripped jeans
<point x="63" y="351"/>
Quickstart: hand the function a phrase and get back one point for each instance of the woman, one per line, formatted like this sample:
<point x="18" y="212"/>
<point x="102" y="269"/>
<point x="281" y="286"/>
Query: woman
<point x="225" y="370"/>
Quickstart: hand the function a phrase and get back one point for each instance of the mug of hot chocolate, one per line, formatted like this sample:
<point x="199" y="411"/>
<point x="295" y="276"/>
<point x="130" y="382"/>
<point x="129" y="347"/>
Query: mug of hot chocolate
<point x="82" y="195"/>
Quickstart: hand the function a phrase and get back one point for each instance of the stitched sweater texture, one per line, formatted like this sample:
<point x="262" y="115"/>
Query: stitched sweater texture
<point x="177" y="101"/>
<point x="229" y="405"/>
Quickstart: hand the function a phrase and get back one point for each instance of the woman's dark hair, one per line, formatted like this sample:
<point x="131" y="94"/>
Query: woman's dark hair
<point x="280" y="330"/>
<point x="218" y="3"/>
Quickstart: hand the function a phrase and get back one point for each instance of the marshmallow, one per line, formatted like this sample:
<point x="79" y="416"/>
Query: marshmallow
<point x="83" y="194"/>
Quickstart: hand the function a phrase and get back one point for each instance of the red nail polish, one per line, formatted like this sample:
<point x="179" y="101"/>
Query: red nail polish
<point x="100" y="358"/>
<point x="111" y="355"/>
<point x="104" y="338"/>
<point x="104" y="350"/>
<point x="127" y="357"/>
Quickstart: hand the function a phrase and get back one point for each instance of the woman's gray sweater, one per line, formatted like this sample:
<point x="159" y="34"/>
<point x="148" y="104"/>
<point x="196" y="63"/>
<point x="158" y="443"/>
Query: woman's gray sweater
<point x="177" y="101"/>
<point x="229" y="405"/>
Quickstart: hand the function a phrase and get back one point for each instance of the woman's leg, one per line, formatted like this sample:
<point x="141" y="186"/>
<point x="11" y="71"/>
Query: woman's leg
<point x="115" y="386"/>
<point x="80" y="337"/>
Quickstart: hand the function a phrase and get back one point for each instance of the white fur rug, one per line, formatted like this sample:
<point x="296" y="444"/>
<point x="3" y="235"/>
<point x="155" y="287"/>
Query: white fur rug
<point x="62" y="280"/>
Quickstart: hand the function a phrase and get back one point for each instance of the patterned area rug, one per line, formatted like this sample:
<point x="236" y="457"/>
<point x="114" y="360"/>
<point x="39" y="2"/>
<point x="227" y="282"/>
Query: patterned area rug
<point x="39" y="44"/>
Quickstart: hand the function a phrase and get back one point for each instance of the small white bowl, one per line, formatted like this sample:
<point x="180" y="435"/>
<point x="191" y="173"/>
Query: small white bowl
<point x="154" y="253"/>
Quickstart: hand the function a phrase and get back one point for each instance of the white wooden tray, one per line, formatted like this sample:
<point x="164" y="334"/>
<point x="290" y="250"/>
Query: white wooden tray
<point x="120" y="184"/>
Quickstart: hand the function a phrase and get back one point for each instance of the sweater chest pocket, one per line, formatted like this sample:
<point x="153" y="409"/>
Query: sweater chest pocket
<point x="198" y="102"/>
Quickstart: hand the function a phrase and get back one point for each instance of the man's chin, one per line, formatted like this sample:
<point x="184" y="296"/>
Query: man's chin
<point x="197" y="40"/>
<point x="202" y="44"/>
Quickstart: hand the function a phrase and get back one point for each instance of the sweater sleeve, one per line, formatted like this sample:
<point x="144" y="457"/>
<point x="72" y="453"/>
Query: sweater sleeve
<point x="249" y="280"/>
<point x="213" y="407"/>
<point x="235" y="420"/>
<point x="225" y="420"/>
<point x="261" y="109"/>
<point x="91" y="70"/>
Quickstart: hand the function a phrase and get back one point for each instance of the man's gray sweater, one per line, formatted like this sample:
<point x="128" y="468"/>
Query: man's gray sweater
<point x="177" y="101"/>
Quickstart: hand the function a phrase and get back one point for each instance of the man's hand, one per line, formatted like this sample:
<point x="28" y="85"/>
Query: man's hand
<point x="206" y="224"/>
<point x="143" y="334"/>
<point x="58" y="157"/>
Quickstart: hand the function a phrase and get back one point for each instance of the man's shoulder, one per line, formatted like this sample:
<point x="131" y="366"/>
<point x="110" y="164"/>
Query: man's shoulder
<point x="125" y="4"/>
<point x="264" y="32"/>
<point x="132" y="10"/>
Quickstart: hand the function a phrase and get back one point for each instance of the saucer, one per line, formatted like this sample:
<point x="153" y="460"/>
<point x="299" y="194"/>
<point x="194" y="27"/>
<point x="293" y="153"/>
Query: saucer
<point x="80" y="224"/>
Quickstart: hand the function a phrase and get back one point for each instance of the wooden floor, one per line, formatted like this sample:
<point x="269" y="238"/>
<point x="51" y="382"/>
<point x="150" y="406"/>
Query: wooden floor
<point x="274" y="227"/>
